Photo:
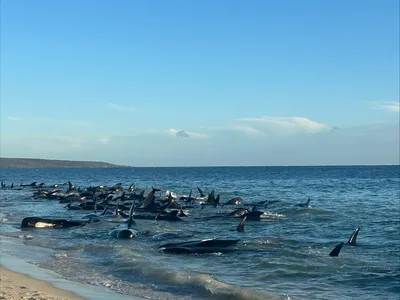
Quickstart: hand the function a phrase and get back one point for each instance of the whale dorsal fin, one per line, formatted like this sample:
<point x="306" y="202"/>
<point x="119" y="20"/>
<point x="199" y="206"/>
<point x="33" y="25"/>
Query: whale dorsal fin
<point x="216" y="200"/>
<point x="150" y="199"/>
<point x="190" y="195"/>
<point x="116" y="208"/>
<point x="353" y="238"/>
<point x="170" y="199"/>
<point x="240" y="227"/>
<point x="181" y="213"/>
<point x="335" y="252"/>
<point x="201" y="192"/>
<point x="211" y="197"/>
<point x="132" y="209"/>
<point x="131" y="221"/>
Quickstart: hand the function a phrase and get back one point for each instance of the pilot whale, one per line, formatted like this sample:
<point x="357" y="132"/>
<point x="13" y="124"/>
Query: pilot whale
<point x="202" y="246"/>
<point x="353" y="238"/>
<point x="38" y="222"/>
<point x="128" y="232"/>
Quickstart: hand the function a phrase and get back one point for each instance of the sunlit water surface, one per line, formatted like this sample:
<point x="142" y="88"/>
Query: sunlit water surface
<point x="286" y="255"/>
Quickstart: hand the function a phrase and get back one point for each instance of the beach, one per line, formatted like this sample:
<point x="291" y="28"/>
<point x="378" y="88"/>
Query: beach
<point x="20" y="278"/>
<point x="15" y="285"/>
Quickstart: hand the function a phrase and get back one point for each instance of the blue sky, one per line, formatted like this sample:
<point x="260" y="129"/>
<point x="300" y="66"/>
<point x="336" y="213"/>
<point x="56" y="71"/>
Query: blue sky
<point x="178" y="83"/>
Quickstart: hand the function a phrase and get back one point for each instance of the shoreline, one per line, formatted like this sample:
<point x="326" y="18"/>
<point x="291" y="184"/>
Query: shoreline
<point x="22" y="280"/>
<point x="15" y="285"/>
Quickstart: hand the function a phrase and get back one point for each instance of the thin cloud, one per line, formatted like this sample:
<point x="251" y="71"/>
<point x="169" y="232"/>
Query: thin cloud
<point x="121" y="107"/>
<point x="391" y="106"/>
<point x="285" y="125"/>
<point x="388" y="106"/>
<point x="245" y="129"/>
<point x="16" y="119"/>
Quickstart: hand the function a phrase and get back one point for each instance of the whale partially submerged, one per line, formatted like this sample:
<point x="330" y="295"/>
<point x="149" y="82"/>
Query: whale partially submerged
<point x="128" y="232"/>
<point x="38" y="222"/>
<point x="199" y="246"/>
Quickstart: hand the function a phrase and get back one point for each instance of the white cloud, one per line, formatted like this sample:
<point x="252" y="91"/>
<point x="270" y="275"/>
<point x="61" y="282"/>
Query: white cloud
<point x="121" y="107"/>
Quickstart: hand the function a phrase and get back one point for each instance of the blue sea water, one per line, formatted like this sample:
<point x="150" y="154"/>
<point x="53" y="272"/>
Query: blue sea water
<point x="285" y="255"/>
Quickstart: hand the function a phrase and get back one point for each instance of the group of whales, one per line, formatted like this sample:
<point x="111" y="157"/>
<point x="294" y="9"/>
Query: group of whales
<point x="116" y="201"/>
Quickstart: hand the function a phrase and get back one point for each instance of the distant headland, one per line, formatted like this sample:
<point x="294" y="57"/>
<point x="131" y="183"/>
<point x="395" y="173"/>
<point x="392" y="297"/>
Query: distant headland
<point x="36" y="163"/>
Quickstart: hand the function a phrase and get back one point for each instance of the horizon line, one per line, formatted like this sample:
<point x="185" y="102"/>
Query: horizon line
<point x="123" y="166"/>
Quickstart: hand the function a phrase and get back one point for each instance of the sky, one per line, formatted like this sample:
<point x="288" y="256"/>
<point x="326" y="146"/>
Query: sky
<point x="201" y="83"/>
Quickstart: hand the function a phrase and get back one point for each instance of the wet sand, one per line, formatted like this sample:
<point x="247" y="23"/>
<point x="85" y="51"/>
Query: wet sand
<point x="19" y="286"/>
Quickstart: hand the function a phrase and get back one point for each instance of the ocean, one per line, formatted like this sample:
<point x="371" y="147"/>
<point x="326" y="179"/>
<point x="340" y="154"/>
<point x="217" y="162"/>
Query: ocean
<point x="285" y="255"/>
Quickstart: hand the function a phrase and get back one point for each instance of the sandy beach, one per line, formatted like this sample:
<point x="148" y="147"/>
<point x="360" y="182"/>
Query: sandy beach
<point x="19" y="286"/>
<point x="20" y="279"/>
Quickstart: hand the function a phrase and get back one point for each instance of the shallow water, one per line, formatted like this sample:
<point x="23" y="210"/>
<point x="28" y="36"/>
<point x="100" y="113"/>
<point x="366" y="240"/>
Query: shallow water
<point x="284" y="255"/>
